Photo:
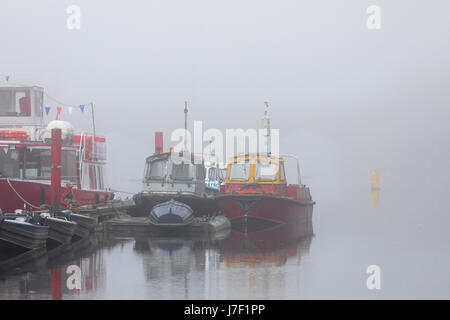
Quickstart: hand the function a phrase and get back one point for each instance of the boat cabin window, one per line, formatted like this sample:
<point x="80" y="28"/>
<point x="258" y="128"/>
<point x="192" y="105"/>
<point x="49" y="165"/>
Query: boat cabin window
<point x="35" y="164"/>
<point x="38" y="164"/>
<point x="15" y="103"/>
<point x="212" y="174"/>
<point x="9" y="163"/>
<point x="222" y="174"/>
<point x="156" y="169"/>
<point x="200" y="171"/>
<point x="38" y="103"/>
<point x="266" y="171"/>
<point x="69" y="167"/>
<point x="181" y="171"/>
<point x="282" y="172"/>
<point x="240" y="171"/>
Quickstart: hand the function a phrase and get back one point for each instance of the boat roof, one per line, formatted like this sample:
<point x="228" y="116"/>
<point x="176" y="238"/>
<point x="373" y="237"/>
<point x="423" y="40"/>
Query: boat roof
<point x="256" y="157"/>
<point x="166" y="155"/>
<point x="21" y="86"/>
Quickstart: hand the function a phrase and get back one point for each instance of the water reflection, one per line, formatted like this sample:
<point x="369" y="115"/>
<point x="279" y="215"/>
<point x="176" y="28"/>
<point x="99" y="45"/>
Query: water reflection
<point x="374" y="198"/>
<point x="274" y="246"/>
<point x="162" y="267"/>
<point x="46" y="277"/>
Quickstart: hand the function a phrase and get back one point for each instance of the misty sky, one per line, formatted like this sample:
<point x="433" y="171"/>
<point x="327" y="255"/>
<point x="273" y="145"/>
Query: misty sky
<point x="345" y="98"/>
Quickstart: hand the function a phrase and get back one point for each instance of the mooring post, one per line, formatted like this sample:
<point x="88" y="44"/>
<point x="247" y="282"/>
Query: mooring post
<point x="56" y="169"/>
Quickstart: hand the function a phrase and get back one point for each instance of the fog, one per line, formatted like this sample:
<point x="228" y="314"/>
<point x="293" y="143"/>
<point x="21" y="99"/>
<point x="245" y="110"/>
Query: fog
<point x="347" y="100"/>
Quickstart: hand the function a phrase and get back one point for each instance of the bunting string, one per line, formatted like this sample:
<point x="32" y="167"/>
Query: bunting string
<point x="61" y="105"/>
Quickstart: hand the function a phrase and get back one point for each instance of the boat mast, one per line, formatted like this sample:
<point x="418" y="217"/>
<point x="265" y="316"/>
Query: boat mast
<point x="185" y="125"/>
<point x="265" y="123"/>
<point x="93" y="128"/>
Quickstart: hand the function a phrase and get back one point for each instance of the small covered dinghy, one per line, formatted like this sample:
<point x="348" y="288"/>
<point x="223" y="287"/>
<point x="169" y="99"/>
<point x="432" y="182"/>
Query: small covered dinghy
<point x="171" y="214"/>
<point x="20" y="230"/>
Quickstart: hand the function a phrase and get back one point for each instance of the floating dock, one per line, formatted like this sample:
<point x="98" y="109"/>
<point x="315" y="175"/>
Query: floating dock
<point x="128" y="226"/>
<point x="112" y="220"/>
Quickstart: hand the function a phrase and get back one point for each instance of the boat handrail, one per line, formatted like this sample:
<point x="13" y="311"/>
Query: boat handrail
<point x="298" y="165"/>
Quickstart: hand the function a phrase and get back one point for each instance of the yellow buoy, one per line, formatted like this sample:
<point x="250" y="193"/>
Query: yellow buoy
<point x="374" y="180"/>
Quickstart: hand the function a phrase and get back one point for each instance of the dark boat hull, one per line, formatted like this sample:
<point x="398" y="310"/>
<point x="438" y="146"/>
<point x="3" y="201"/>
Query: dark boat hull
<point x="61" y="230"/>
<point x="24" y="234"/>
<point x="171" y="214"/>
<point x="258" y="212"/>
<point x="85" y="224"/>
<point x="201" y="206"/>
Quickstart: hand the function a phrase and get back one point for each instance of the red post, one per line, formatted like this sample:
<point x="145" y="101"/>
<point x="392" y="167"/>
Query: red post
<point x="158" y="142"/>
<point x="56" y="168"/>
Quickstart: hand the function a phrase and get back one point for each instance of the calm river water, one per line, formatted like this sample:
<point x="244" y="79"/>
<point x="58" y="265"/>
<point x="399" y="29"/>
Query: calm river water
<point x="397" y="232"/>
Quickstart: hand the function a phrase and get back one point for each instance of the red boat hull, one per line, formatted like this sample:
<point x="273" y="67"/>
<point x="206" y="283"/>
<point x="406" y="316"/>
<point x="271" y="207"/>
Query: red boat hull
<point x="38" y="193"/>
<point x="266" y="211"/>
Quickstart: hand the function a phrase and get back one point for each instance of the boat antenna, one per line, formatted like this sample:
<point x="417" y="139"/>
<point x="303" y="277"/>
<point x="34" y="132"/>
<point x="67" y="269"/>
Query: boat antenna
<point x="185" y="125"/>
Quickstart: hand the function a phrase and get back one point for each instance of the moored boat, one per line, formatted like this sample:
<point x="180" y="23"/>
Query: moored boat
<point x="25" y="155"/>
<point x="165" y="180"/>
<point x="174" y="175"/>
<point x="20" y="230"/>
<point x="253" y="199"/>
<point x="256" y="194"/>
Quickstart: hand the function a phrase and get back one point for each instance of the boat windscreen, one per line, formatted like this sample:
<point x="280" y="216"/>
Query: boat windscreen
<point x="240" y="171"/>
<point x="181" y="171"/>
<point x="157" y="169"/>
<point x="266" y="171"/>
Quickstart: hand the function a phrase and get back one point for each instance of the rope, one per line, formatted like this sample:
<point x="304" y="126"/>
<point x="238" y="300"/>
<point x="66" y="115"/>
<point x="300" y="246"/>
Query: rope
<point x="62" y="104"/>
<point x="25" y="201"/>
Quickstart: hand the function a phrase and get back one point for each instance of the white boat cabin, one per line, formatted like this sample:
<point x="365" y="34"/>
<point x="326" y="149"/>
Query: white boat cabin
<point x="25" y="151"/>
<point x="162" y="175"/>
